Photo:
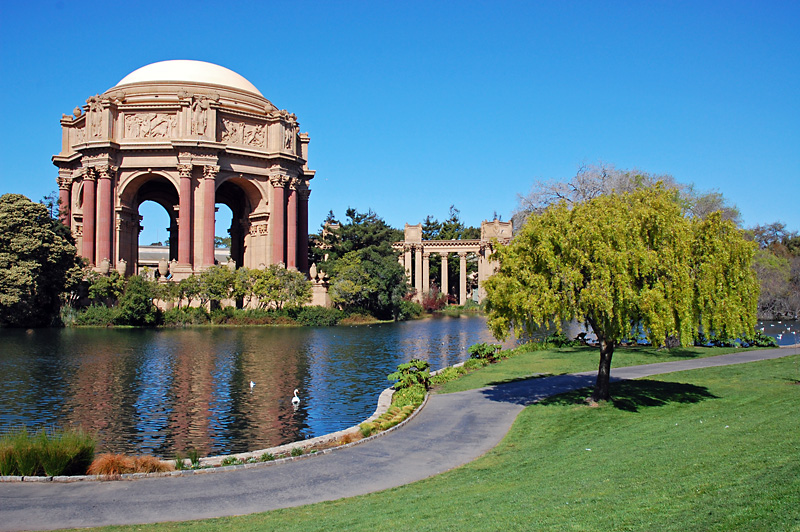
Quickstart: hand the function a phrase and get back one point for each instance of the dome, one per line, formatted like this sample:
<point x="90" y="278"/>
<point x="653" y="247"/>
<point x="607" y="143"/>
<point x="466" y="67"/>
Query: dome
<point x="191" y="72"/>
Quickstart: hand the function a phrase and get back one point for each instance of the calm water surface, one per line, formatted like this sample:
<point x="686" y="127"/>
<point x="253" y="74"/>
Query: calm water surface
<point x="163" y="391"/>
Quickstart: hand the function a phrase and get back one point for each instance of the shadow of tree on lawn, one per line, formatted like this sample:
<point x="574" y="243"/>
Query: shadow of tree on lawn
<point x="635" y="394"/>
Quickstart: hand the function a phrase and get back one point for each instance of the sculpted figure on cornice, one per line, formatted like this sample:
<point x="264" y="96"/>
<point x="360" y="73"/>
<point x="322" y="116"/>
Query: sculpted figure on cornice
<point x="242" y="133"/>
<point x="95" y="122"/>
<point x="200" y="107"/>
<point x="288" y="138"/>
<point x="151" y="125"/>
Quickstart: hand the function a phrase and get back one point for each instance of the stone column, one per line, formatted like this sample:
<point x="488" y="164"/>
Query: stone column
<point x="445" y="281"/>
<point x="104" y="213"/>
<point x="209" y="193"/>
<point x="482" y="276"/>
<point x="462" y="282"/>
<point x="426" y="272"/>
<point x="277" y="227"/>
<point x="291" y="225"/>
<point x="302" y="228"/>
<point x="185" y="215"/>
<point x="407" y="262"/>
<point x="418" y="272"/>
<point x="88" y="214"/>
<point x="64" y="195"/>
<point x="277" y="218"/>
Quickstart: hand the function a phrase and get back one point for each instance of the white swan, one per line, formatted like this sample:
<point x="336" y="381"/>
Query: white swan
<point x="295" y="399"/>
<point x="252" y="384"/>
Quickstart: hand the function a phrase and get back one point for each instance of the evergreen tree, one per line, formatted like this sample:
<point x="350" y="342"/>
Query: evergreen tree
<point x="38" y="263"/>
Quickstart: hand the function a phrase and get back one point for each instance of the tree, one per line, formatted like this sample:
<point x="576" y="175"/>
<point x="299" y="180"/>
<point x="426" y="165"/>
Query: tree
<point x="105" y="289"/>
<point x="621" y="263"/>
<point x="430" y="228"/>
<point x="216" y="284"/>
<point x="38" y="263"/>
<point x="367" y="280"/>
<point x="136" y="304"/>
<point x="591" y="181"/>
<point x="362" y="265"/>
<point x="454" y="229"/>
<point x="276" y="287"/>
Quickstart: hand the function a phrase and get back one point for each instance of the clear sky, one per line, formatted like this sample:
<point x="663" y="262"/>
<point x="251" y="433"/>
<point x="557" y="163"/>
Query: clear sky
<point x="414" y="106"/>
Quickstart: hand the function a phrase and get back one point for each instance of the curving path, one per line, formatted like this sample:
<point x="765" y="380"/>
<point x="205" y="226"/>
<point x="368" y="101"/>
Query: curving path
<point x="451" y="430"/>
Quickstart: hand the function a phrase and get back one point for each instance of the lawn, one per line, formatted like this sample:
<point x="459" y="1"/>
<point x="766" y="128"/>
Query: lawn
<point x="708" y="449"/>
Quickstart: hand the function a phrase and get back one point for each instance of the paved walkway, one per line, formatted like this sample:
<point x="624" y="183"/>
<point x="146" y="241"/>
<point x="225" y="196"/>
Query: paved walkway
<point x="450" y="431"/>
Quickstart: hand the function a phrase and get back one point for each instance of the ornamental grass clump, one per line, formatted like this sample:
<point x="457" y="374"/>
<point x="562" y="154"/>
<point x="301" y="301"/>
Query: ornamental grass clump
<point x="113" y="465"/>
<point x="48" y="452"/>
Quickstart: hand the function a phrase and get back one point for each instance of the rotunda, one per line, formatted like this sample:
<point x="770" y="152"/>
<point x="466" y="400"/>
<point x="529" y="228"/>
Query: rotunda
<point x="187" y="135"/>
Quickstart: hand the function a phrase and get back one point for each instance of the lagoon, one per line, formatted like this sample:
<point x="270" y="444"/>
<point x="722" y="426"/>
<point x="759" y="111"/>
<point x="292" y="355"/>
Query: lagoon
<point x="147" y="391"/>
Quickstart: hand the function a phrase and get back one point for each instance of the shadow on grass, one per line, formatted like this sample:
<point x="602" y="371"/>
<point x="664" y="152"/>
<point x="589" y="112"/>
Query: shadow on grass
<point x="633" y="395"/>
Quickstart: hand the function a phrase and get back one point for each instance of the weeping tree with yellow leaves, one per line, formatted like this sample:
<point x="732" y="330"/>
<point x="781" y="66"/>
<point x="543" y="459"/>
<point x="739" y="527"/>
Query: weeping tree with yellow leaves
<point x="623" y="263"/>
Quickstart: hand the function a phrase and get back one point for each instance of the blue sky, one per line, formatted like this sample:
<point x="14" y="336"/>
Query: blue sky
<point x="414" y="106"/>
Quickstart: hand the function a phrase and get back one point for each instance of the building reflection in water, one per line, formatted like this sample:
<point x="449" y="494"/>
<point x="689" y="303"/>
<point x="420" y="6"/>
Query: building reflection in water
<point x="167" y="391"/>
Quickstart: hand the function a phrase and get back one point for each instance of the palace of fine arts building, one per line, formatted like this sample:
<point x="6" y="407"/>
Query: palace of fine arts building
<point x="186" y="135"/>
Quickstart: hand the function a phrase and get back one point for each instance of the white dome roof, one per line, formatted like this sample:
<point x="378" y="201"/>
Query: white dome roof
<point x="189" y="71"/>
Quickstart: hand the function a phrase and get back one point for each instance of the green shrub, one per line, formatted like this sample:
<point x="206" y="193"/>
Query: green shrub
<point x="297" y="451"/>
<point x="474" y="363"/>
<point x="230" y="460"/>
<point x="559" y="339"/>
<point x="759" y="339"/>
<point x="317" y="316"/>
<point x="136" y="304"/>
<point x="447" y="374"/>
<point x="411" y="373"/>
<point x="181" y="316"/>
<point x="489" y="352"/>
<point x="413" y="395"/>
<point x="221" y="316"/>
<point x="267" y="457"/>
<point x="96" y="315"/>
<point x="408" y="310"/>
<point x="194" y="457"/>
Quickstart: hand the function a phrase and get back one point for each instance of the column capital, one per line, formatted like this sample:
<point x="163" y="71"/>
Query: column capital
<point x="185" y="170"/>
<point x="64" y="183"/>
<point x="462" y="254"/>
<point x="426" y="254"/>
<point x="105" y="171"/>
<point x="89" y="174"/>
<point x="444" y="254"/>
<point x="279" y="180"/>
<point x="210" y="171"/>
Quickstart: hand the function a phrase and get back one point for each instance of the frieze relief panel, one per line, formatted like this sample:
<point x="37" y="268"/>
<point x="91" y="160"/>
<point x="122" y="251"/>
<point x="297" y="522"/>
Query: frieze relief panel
<point x="79" y="135"/>
<point x="151" y="125"/>
<point x="242" y="133"/>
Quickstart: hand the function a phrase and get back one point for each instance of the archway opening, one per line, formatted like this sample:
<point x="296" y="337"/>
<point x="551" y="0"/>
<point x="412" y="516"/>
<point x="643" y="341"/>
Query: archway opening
<point x="156" y="207"/>
<point x="233" y="208"/>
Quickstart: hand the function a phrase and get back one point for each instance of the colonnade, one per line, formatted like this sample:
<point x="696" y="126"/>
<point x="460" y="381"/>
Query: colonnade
<point x="416" y="255"/>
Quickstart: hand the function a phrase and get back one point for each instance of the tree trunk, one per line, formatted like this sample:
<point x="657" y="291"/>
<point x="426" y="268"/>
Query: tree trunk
<point x="601" y="387"/>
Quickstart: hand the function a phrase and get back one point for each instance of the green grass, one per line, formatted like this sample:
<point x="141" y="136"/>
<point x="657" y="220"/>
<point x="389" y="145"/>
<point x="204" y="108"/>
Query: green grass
<point x="571" y="360"/>
<point x="708" y="449"/>
<point x="47" y="452"/>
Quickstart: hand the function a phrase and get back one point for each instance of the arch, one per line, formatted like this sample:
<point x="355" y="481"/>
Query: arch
<point x="140" y="187"/>
<point x="242" y="197"/>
